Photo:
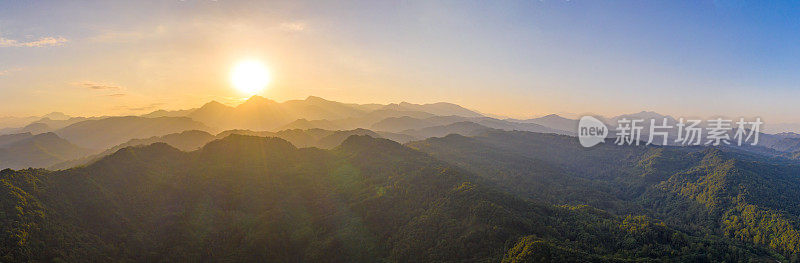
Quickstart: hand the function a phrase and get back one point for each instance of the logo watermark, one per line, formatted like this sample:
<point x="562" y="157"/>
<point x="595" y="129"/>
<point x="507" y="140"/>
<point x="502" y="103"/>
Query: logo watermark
<point x="667" y="131"/>
<point x="591" y="131"/>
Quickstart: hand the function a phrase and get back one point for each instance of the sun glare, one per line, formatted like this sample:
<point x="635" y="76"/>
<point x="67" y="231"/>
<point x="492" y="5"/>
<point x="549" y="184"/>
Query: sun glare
<point x="250" y="77"/>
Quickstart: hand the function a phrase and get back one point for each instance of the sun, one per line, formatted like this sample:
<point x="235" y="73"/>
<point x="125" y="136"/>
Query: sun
<point x="250" y="77"/>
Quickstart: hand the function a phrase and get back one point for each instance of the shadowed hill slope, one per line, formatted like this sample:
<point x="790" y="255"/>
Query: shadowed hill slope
<point x="245" y="198"/>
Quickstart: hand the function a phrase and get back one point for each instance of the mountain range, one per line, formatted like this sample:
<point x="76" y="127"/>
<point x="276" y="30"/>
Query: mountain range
<point x="248" y="198"/>
<point x="42" y="150"/>
<point x="402" y="122"/>
<point x="317" y="180"/>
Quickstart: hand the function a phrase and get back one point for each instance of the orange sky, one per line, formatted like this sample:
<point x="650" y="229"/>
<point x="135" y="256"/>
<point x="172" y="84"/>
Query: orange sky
<point x="517" y="60"/>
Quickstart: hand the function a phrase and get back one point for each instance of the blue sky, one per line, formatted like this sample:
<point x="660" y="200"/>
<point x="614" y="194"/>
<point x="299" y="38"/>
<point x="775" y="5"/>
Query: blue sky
<point x="520" y="59"/>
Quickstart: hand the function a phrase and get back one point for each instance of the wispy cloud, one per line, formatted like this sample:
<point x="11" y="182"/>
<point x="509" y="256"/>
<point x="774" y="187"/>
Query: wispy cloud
<point x="116" y="95"/>
<point x="292" y="26"/>
<point x="96" y="86"/>
<point x="41" y="42"/>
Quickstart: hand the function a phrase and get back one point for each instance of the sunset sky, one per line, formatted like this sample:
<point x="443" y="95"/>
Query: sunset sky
<point x="518" y="59"/>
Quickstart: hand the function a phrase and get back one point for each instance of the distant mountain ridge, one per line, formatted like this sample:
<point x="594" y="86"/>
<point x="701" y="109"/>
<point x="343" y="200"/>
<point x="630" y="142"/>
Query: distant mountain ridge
<point x="41" y="150"/>
<point x="258" y="113"/>
<point x="104" y="133"/>
<point x="305" y="121"/>
<point x="556" y="122"/>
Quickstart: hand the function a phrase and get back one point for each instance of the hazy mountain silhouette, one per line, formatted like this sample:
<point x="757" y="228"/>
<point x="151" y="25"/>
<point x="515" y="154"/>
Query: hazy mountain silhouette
<point x="56" y="116"/>
<point x="320" y="138"/>
<point x="40" y="150"/>
<point x="53" y="120"/>
<point x="12" y="138"/>
<point x="788" y="135"/>
<point x="16" y="122"/>
<point x="554" y="121"/>
<point x="165" y="113"/>
<point x="258" y="113"/>
<point x="646" y="115"/>
<point x="399" y="124"/>
<point x="104" y="133"/>
<point x="463" y="128"/>
<point x="440" y="108"/>
<point x="35" y="128"/>
<point x="185" y="141"/>
<point x="403" y="123"/>
<point x="304" y="124"/>
<point x="47" y="125"/>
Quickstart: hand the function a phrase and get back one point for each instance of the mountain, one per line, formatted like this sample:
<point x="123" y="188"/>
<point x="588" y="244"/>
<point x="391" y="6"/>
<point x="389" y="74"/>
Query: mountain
<point x="41" y="124"/>
<point x="781" y="127"/>
<point x="104" y="133"/>
<point x="211" y="113"/>
<point x="245" y="198"/>
<point x="325" y="139"/>
<point x="16" y="122"/>
<point x="525" y="173"/>
<point x="704" y="190"/>
<point x="364" y="121"/>
<point x="40" y="150"/>
<point x="403" y="123"/>
<point x="643" y="115"/>
<point x="788" y="135"/>
<point x="166" y="113"/>
<point x="9" y="123"/>
<point x="554" y="121"/>
<point x="304" y="124"/>
<point x="782" y="143"/>
<point x="55" y="124"/>
<point x="258" y="113"/>
<point x="317" y="108"/>
<point x="46" y="124"/>
<point x="758" y="209"/>
<point x="12" y="138"/>
<point x="463" y="128"/>
<point x="547" y="167"/>
<point x="35" y="128"/>
<point x="56" y="116"/>
<point x="440" y="108"/>
<point x="406" y="124"/>
<point x="336" y="138"/>
<point x="367" y="120"/>
<point x="185" y="141"/>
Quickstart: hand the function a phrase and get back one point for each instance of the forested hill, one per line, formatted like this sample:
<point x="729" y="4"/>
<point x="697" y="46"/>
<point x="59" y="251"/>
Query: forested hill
<point x="701" y="190"/>
<point x="246" y="198"/>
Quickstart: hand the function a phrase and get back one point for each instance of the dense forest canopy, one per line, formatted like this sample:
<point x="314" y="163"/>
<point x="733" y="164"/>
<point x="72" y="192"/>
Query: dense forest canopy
<point x="498" y="196"/>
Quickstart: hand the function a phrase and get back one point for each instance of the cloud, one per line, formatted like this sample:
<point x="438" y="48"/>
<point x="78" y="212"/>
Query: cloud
<point x="41" y="42"/>
<point x="116" y="95"/>
<point x="96" y="86"/>
<point x="292" y="26"/>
